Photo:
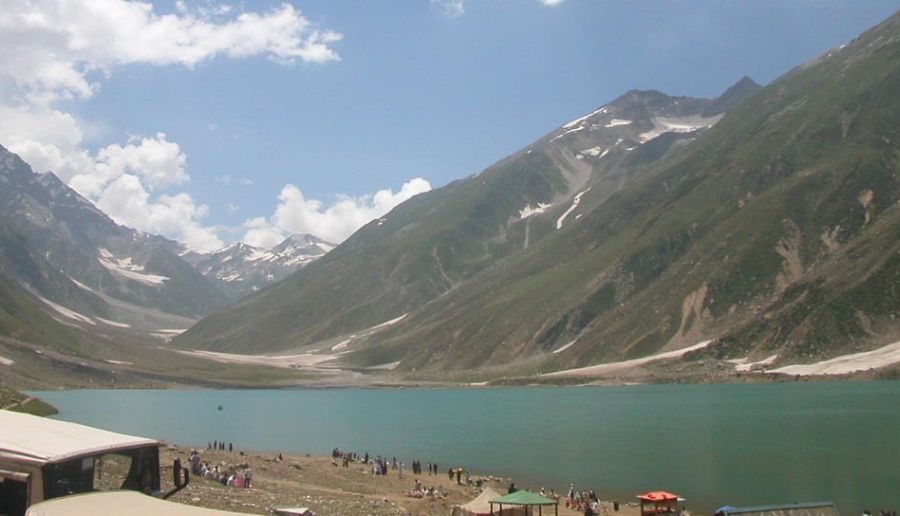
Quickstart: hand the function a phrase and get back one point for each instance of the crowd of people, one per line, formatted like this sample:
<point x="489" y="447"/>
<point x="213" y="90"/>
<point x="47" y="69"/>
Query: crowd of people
<point x="380" y="465"/>
<point x="219" y="445"/>
<point x="232" y="476"/>
<point x="582" y="501"/>
<point x="383" y="465"/>
<point x="585" y="501"/>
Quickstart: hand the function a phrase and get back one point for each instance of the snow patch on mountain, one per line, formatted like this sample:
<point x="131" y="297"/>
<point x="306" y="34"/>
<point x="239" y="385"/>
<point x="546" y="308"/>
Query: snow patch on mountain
<point x="615" y="122"/>
<point x="741" y="364"/>
<point x="575" y="202"/>
<point x="167" y="334"/>
<point x="662" y="125"/>
<point x="385" y="324"/>
<point x="845" y="364"/>
<point x="233" y="276"/>
<point x="565" y="347"/>
<point x="65" y="312"/>
<point x="126" y="268"/>
<point x="81" y="285"/>
<point x="342" y="344"/>
<point x="570" y="131"/>
<point x="596" y="152"/>
<point x="625" y="364"/>
<point x="578" y="121"/>
<point x="113" y="323"/>
<point x="530" y="210"/>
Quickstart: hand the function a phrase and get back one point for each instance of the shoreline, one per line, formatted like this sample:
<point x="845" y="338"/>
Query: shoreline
<point x="314" y="481"/>
<point x="598" y="446"/>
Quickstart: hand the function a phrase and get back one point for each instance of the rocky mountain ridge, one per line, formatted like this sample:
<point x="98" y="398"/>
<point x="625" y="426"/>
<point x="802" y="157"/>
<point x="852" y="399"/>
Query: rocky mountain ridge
<point x="85" y="267"/>
<point x="241" y="269"/>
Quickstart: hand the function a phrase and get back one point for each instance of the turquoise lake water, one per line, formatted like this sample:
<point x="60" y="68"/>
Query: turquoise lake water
<point x="713" y="444"/>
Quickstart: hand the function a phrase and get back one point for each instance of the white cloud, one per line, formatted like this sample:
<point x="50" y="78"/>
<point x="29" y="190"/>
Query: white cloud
<point x="297" y="214"/>
<point x="52" y="51"/>
<point x="176" y="216"/>
<point x="55" y="50"/>
<point x="551" y="2"/>
<point x="450" y="8"/>
<point x="260" y="233"/>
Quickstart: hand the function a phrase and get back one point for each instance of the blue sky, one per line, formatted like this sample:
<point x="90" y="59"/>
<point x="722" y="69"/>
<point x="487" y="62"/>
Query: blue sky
<point x="392" y="90"/>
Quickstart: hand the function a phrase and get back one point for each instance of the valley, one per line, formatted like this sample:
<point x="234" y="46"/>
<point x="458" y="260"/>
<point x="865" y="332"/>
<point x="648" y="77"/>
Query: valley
<point x="658" y="238"/>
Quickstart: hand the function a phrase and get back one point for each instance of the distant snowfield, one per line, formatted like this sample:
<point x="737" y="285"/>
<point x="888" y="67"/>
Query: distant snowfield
<point x="279" y="361"/>
<point x="6" y="361"/>
<point x="126" y="268"/>
<point x="65" y="312"/>
<point x="877" y="358"/>
<point x="385" y="367"/>
<point x="678" y="125"/>
<point x="167" y="335"/>
<point x="610" y="367"/>
<point x="113" y="323"/>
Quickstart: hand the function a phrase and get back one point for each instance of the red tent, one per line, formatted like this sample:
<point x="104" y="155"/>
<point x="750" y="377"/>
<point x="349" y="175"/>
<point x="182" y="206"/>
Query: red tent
<point x="658" y="502"/>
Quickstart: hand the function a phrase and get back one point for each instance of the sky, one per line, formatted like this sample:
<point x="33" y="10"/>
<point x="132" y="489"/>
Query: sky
<point x="214" y="122"/>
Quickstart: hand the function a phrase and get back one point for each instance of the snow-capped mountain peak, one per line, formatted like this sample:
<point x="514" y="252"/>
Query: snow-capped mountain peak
<point x="240" y="268"/>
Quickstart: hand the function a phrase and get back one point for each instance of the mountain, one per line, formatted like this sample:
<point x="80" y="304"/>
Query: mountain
<point x="242" y="269"/>
<point x="86" y="268"/>
<point x="438" y="241"/>
<point x="652" y="224"/>
<point x="23" y="317"/>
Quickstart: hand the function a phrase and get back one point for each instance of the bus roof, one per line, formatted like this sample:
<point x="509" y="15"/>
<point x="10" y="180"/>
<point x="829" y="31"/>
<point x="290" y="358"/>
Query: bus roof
<point x="125" y="503"/>
<point x="38" y="440"/>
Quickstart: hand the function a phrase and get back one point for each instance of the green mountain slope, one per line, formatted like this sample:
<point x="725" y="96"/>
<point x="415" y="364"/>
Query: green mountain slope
<point x="22" y="318"/>
<point x="439" y="241"/>
<point x="628" y="232"/>
<point x="772" y="232"/>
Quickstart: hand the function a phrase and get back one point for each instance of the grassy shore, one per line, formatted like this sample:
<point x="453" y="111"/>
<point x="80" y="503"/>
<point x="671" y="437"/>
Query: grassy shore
<point x="327" y="489"/>
<point x="11" y="399"/>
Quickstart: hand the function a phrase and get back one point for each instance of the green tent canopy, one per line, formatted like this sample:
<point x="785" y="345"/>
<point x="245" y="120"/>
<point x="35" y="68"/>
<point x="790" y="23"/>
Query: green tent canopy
<point x="525" y="499"/>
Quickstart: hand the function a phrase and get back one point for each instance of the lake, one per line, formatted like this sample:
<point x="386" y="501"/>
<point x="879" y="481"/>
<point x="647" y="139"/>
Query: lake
<point x="713" y="444"/>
